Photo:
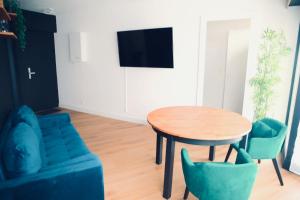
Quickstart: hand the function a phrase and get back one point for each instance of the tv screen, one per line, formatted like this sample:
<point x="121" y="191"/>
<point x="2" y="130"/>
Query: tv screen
<point x="146" y="48"/>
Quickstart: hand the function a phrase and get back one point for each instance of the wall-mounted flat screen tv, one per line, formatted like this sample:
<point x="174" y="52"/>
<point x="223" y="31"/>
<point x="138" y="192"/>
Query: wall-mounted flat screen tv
<point x="146" y="48"/>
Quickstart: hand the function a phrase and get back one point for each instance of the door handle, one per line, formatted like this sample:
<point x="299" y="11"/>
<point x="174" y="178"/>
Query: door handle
<point x="30" y="73"/>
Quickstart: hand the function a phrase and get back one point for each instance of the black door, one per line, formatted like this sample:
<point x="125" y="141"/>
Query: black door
<point x="36" y="69"/>
<point x="6" y="100"/>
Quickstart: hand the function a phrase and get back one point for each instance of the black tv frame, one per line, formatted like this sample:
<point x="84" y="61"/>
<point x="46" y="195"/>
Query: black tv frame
<point x="165" y="42"/>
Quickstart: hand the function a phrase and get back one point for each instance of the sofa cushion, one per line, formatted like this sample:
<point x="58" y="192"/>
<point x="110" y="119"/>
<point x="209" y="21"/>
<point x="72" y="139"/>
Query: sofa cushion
<point x="2" y="177"/>
<point x="3" y="137"/>
<point x="62" y="144"/>
<point x="80" y="159"/>
<point x="21" y="153"/>
<point x="26" y="115"/>
<point x="54" y="120"/>
<point x="262" y="130"/>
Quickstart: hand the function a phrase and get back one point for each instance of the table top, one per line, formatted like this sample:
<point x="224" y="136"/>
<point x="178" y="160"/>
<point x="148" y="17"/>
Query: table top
<point x="199" y="123"/>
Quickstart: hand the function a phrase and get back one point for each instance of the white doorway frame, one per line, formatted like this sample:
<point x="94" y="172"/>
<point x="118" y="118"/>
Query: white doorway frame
<point x="247" y="112"/>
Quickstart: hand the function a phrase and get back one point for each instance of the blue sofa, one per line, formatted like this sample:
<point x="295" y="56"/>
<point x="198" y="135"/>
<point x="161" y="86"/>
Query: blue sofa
<point x="44" y="158"/>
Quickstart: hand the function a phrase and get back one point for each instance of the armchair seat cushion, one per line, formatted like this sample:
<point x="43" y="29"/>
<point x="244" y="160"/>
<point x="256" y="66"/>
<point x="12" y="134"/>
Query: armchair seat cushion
<point x="262" y="130"/>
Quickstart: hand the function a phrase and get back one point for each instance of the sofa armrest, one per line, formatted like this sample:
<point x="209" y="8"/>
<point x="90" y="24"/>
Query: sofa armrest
<point x="54" y="120"/>
<point x="79" y="181"/>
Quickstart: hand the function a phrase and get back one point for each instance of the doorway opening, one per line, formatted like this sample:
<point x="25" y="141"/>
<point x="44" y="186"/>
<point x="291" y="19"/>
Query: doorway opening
<point x="226" y="59"/>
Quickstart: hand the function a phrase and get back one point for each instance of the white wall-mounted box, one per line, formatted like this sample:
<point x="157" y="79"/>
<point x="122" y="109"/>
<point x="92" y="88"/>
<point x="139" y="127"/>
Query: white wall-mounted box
<point x="78" y="47"/>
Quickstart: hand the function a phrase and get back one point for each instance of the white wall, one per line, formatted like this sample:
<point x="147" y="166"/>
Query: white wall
<point x="100" y="86"/>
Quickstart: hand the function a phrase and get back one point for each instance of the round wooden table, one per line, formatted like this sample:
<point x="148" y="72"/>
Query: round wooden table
<point x="194" y="125"/>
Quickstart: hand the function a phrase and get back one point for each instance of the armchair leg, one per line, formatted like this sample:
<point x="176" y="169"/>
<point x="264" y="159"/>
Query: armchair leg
<point x="228" y="153"/>
<point x="186" y="193"/>
<point x="277" y="171"/>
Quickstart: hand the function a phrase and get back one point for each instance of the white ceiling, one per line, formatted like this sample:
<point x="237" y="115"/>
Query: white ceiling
<point x="58" y="5"/>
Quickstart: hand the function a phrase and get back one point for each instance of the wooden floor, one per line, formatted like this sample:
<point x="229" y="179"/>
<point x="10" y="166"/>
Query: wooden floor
<point x="127" y="151"/>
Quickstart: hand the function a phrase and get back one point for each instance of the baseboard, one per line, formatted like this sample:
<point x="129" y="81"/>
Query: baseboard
<point x="123" y="117"/>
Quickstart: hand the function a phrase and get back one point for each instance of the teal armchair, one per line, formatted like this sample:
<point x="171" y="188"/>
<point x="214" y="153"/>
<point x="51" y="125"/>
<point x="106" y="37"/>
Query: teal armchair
<point x="265" y="147"/>
<point x="219" y="181"/>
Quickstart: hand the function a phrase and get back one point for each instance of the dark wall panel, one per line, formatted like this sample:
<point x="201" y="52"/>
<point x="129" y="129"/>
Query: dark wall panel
<point x="16" y="87"/>
<point x="41" y="91"/>
<point x="6" y="102"/>
<point x="40" y="22"/>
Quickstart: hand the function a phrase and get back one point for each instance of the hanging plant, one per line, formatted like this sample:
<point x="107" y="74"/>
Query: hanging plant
<point x="272" y="50"/>
<point x="20" y="27"/>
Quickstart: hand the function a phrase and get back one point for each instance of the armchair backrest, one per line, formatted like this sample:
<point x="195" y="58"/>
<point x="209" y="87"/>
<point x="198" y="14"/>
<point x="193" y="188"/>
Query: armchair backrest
<point x="268" y="148"/>
<point x="220" y="181"/>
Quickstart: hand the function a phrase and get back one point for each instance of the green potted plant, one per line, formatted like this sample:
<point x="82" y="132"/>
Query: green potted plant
<point x="20" y="27"/>
<point x="272" y="50"/>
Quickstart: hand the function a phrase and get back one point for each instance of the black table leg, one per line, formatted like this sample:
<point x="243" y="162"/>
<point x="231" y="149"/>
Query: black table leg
<point x="169" y="167"/>
<point x="159" y="145"/>
<point x="211" y="153"/>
